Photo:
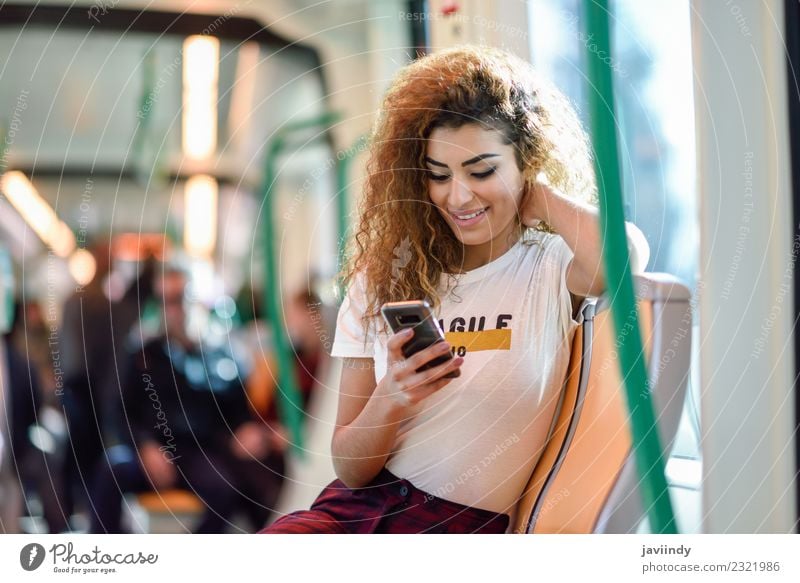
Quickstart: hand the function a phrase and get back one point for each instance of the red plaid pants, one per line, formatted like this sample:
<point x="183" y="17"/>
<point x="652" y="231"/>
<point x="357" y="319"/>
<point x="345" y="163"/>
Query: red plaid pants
<point x="387" y="504"/>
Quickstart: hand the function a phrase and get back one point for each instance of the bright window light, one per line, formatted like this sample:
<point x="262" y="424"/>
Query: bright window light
<point x="200" y="218"/>
<point x="200" y="73"/>
<point x="39" y="215"/>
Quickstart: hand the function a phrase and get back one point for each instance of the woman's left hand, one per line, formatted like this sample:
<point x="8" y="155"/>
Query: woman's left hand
<point x="577" y="223"/>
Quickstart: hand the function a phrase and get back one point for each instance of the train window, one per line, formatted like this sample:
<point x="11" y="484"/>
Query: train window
<point x="652" y="67"/>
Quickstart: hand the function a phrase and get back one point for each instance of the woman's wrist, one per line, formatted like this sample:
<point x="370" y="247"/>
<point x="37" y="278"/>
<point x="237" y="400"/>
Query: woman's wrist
<point x="391" y="407"/>
<point x="361" y="448"/>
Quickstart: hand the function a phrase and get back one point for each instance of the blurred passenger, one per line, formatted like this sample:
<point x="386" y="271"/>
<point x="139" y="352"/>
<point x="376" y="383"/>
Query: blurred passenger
<point x="187" y="426"/>
<point x="19" y="402"/>
<point x="30" y="336"/>
<point x="304" y="324"/>
<point x="40" y="470"/>
<point x="305" y="328"/>
<point x="92" y="345"/>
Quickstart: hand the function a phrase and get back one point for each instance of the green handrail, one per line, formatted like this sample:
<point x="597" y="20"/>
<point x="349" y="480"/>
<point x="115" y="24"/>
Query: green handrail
<point x="342" y="170"/>
<point x="289" y="399"/>
<point x="142" y="166"/>
<point x="619" y="283"/>
<point x="3" y="147"/>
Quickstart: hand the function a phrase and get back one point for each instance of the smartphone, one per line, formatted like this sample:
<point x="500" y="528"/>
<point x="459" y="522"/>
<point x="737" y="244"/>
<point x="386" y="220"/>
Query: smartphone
<point x="417" y="314"/>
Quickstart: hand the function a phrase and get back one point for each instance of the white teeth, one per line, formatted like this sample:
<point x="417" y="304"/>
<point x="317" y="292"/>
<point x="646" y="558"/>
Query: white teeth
<point x="472" y="216"/>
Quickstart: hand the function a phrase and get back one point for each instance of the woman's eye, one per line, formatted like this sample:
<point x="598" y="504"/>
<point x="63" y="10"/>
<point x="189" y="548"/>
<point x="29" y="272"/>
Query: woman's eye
<point x="437" y="177"/>
<point x="485" y="174"/>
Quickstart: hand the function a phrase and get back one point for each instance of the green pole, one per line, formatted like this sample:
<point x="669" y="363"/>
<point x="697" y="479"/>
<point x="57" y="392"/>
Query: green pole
<point x="290" y="402"/>
<point x="3" y="148"/>
<point x="619" y="282"/>
<point x="342" y="172"/>
<point x="144" y="114"/>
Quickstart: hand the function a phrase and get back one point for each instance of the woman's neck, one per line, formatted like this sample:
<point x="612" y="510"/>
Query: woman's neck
<point x="476" y="256"/>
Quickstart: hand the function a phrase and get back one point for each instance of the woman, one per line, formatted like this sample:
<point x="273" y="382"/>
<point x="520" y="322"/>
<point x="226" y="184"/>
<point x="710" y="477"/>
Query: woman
<point x="458" y="211"/>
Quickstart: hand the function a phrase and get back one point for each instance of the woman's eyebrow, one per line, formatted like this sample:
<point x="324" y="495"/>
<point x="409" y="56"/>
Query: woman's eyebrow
<point x="435" y="163"/>
<point x="477" y="158"/>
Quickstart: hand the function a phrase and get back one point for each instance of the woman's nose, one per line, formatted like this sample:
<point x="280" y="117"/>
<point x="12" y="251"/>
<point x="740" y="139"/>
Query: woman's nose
<point x="460" y="194"/>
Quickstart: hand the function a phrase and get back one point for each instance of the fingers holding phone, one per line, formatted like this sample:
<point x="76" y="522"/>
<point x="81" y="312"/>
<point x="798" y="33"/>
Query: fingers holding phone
<point x="420" y="361"/>
<point x="408" y="382"/>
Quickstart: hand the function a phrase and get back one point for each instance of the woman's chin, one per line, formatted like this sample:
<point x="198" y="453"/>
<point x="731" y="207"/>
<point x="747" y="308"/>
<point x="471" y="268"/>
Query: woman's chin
<point x="479" y="237"/>
<point x="474" y="241"/>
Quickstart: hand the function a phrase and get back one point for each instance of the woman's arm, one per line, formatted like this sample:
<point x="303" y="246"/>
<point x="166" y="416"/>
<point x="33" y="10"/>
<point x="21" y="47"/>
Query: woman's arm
<point x="579" y="225"/>
<point x="370" y="414"/>
<point x="366" y="427"/>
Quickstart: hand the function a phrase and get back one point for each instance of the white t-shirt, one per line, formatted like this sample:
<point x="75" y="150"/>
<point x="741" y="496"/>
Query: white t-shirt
<point x="477" y="440"/>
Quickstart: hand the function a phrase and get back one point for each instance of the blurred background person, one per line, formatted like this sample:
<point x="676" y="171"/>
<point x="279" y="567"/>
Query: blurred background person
<point x="306" y="327"/>
<point x="41" y="427"/>
<point x="20" y="398"/>
<point x="94" y="331"/>
<point x="187" y="425"/>
<point x="303" y="321"/>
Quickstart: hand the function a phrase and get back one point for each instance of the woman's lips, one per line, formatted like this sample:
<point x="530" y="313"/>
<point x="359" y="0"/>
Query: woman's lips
<point x="468" y="222"/>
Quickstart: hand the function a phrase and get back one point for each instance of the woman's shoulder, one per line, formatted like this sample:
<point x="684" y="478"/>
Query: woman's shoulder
<point x="543" y="241"/>
<point x="539" y="237"/>
<point x="534" y="242"/>
<point x="542" y="251"/>
<point x="358" y="298"/>
<point x="354" y="284"/>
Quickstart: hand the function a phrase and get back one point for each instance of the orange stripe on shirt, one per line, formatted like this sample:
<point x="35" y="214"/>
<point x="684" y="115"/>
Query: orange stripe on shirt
<point x="482" y="340"/>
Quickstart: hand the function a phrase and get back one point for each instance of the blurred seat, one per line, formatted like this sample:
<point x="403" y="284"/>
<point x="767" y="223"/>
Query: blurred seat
<point x="164" y="512"/>
<point x="586" y="479"/>
<point x="172" y="501"/>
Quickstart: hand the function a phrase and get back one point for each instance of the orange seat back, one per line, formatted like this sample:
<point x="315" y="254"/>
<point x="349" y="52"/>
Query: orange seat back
<point x="586" y="474"/>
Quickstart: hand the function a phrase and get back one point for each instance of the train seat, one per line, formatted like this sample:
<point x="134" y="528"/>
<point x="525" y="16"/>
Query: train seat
<point x="586" y="480"/>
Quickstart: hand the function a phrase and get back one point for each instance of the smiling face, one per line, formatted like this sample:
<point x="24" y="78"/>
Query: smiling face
<point x="474" y="181"/>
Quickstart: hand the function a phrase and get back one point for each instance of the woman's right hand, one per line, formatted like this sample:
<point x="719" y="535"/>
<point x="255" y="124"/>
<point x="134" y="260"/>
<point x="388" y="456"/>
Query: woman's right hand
<point x="402" y="383"/>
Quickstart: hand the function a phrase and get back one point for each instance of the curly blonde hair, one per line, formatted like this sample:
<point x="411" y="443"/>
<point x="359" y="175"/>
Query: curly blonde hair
<point x="402" y="244"/>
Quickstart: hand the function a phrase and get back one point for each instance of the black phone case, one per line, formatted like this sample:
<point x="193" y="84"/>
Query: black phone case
<point x="426" y="331"/>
